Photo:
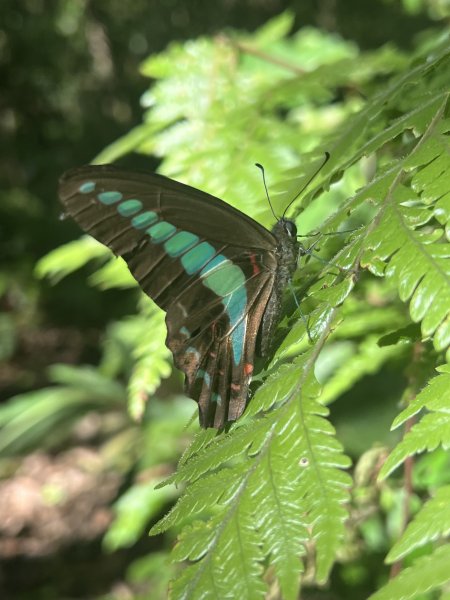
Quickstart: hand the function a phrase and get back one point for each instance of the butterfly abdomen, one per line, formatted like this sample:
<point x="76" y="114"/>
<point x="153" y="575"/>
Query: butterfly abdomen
<point x="287" y="254"/>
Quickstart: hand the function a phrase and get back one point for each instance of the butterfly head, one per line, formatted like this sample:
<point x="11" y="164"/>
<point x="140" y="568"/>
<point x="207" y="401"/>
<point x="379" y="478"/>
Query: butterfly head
<point x="288" y="249"/>
<point x="285" y="228"/>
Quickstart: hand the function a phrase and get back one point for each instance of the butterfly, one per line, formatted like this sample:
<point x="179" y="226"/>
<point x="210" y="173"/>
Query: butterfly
<point x="217" y="273"/>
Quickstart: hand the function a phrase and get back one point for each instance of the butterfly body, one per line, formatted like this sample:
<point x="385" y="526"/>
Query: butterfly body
<point x="288" y="249"/>
<point x="217" y="273"/>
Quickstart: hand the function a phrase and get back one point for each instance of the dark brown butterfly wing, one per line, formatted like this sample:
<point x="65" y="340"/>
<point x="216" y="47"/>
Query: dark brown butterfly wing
<point x="205" y="342"/>
<point x="211" y="267"/>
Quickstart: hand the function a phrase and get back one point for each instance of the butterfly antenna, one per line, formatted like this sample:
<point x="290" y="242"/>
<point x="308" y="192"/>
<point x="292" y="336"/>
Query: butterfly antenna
<point x="313" y="176"/>
<point x="265" y="187"/>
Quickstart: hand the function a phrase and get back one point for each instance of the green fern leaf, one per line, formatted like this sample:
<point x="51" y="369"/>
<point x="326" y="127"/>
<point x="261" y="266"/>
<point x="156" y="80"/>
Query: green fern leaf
<point x="323" y="484"/>
<point x="113" y="274"/>
<point x="200" y="497"/>
<point x="201" y="439"/>
<point x="432" y="430"/>
<point x="417" y="258"/>
<point x="277" y="480"/>
<point x="430" y="524"/>
<point x="153" y="358"/>
<point x="426" y="574"/>
<point x="286" y="486"/>
<point x="68" y="258"/>
<point x="222" y="449"/>
<point x="435" y="396"/>
<point x="221" y="573"/>
<point x="283" y="536"/>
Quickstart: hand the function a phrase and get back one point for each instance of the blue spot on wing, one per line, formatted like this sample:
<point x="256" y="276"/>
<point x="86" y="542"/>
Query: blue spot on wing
<point x="216" y="398"/>
<point x="109" y="197"/>
<point x="144" y="219"/>
<point x="87" y="187"/>
<point x="195" y="259"/>
<point x="202" y="374"/>
<point x="194" y="351"/>
<point x="129" y="207"/>
<point x="161" y="231"/>
<point x="237" y="341"/>
<point x="218" y="260"/>
<point x="235" y="305"/>
<point x="180" y="242"/>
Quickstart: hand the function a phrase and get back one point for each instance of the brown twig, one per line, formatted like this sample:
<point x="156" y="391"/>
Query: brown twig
<point x="408" y="491"/>
<point x="253" y="51"/>
<point x="413" y="372"/>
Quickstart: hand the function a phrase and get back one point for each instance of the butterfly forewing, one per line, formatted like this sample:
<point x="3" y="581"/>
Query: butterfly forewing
<point x="211" y="267"/>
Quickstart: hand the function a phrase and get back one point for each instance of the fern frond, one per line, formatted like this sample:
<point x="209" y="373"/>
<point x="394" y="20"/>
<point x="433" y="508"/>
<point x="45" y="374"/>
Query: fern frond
<point x="435" y="396"/>
<point x="416" y="257"/>
<point x="152" y="358"/>
<point x="369" y="125"/>
<point x="70" y="257"/>
<point x="430" y="524"/>
<point x="428" y="573"/>
<point x="113" y="274"/>
<point x="222" y="449"/>
<point x="286" y="486"/>
<point x="432" y="430"/>
<point x="201" y="439"/>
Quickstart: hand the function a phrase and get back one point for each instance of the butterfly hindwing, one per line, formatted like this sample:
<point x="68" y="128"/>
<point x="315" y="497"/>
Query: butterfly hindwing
<point x="211" y="268"/>
<point x="217" y="354"/>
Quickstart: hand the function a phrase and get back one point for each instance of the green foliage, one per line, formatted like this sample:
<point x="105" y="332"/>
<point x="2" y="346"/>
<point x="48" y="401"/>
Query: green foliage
<point x="151" y="359"/>
<point x="432" y="430"/>
<point x="271" y="496"/>
<point x="72" y="256"/>
<point x="285" y="465"/>
<point x="44" y="416"/>
<point x="430" y="524"/>
<point x="134" y="510"/>
<point x="427" y="574"/>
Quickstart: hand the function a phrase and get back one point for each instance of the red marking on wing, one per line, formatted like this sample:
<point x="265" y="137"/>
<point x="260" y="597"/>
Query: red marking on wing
<point x="248" y="369"/>
<point x="255" y="265"/>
